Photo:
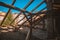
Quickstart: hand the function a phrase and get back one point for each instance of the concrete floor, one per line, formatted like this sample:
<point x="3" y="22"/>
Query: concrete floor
<point x="15" y="36"/>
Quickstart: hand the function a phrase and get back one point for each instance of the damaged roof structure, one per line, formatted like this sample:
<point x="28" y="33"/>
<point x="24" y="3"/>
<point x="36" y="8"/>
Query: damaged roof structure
<point x="31" y="19"/>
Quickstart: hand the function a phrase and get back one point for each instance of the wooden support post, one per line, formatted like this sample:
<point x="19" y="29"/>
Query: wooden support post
<point x="50" y="20"/>
<point x="43" y="23"/>
<point x="29" y="35"/>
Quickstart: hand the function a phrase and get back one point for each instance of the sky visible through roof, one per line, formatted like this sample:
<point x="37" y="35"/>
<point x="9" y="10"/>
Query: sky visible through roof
<point x="21" y="4"/>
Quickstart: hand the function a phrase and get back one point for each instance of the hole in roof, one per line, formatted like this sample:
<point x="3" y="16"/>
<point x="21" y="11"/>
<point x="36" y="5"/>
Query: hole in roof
<point x="40" y="8"/>
<point x="21" y="3"/>
<point x="15" y="11"/>
<point x="3" y="9"/>
<point x="34" y="4"/>
<point x="7" y="1"/>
